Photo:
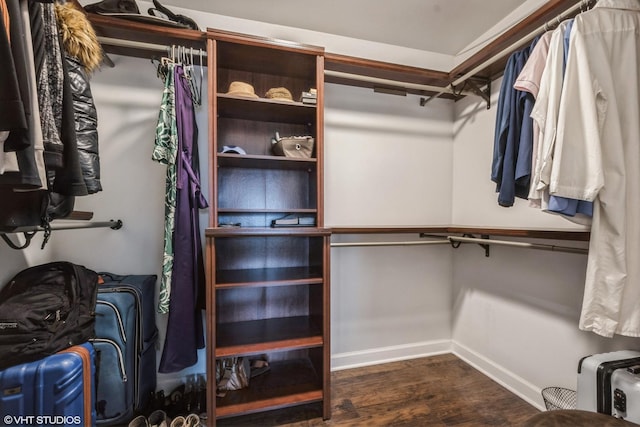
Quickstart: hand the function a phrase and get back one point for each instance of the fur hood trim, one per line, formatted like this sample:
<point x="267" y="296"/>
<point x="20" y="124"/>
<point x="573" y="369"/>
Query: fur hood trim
<point x="78" y="36"/>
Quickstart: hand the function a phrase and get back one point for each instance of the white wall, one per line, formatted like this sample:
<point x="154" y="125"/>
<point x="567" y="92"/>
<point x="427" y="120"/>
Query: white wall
<point x="515" y="313"/>
<point x="12" y="261"/>
<point x="387" y="160"/>
<point x="388" y="163"/>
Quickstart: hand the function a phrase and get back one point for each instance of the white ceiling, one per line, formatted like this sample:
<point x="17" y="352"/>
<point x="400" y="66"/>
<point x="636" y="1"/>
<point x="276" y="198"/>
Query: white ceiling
<point x="442" y="26"/>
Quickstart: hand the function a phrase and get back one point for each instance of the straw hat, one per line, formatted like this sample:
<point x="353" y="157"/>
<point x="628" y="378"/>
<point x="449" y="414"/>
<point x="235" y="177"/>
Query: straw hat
<point x="280" y="93"/>
<point x="242" y="89"/>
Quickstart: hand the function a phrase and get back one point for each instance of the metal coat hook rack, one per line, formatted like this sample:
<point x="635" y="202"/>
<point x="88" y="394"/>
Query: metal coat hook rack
<point x="30" y="231"/>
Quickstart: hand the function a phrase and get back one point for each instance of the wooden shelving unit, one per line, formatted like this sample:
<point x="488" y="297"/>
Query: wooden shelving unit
<point x="268" y="287"/>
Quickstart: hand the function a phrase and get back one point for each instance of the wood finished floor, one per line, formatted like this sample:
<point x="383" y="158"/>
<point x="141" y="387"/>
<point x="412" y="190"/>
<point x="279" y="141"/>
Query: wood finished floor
<point x="434" y="391"/>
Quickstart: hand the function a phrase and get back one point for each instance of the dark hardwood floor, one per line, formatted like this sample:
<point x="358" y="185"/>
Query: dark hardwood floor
<point x="434" y="391"/>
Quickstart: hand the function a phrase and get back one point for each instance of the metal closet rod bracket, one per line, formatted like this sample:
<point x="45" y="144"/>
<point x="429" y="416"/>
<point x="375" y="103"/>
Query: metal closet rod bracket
<point x="475" y="84"/>
<point x="31" y="231"/>
<point x="455" y="244"/>
<point x="472" y="85"/>
<point x="486" y="247"/>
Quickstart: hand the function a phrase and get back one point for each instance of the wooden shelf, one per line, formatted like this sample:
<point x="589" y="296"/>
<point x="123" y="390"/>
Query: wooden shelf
<point x="274" y="334"/>
<point x="252" y="161"/>
<point x="124" y="29"/>
<point x="383" y="70"/>
<point x="533" y="233"/>
<point x="261" y="211"/>
<point x="266" y="110"/>
<point x="265" y="55"/>
<point x="268" y="277"/>
<point x="287" y="383"/>
<point x="266" y="232"/>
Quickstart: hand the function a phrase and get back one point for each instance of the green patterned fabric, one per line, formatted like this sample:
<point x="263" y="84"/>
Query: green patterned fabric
<point x="165" y="152"/>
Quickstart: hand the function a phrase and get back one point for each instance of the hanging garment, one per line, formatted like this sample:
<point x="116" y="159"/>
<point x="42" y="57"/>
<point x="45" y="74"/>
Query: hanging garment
<point x="579" y="211"/>
<point x="82" y="55"/>
<point x="184" y="328"/>
<point x="165" y="152"/>
<point x="545" y="114"/>
<point x="534" y="78"/>
<point x="597" y="158"/>
<point x="26" y="142"/>
<point x="69" y="179"/>
<point x="11" y="108"/>
<point x="4" y="13"/>
<point x="12" y="114"/>
<point x="49" y="76"/>
<point x="511" y="166"/>
<point x="529" y="81"/>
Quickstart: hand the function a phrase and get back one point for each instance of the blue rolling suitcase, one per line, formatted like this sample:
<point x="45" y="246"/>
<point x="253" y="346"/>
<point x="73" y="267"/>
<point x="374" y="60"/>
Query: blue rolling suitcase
<point x="56" y="390"/>
<point x="125" y="341"/>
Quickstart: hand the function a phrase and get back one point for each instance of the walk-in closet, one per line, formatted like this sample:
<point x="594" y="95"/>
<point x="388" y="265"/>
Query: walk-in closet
<point x="392" y="242"/>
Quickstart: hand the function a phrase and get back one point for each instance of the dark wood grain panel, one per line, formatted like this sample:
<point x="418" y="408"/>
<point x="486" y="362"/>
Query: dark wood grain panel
<point x="385" y="70"/>
<point x="267" y="110"/>
<point x="273" y="44"/>
<point x="261" y="232"/>
<point x="287" y="383"/>
<point x="257" y="336"/>
<point x="259" y="303"/>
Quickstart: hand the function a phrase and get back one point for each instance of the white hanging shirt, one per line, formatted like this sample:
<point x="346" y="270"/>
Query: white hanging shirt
<point x="597" y="157"/>
<point x="529" y="80"/>
<point x="545" y="115"/>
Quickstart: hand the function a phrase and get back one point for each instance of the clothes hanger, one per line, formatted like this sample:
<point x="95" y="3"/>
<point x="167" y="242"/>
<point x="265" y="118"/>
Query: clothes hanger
<point x="196" y="86"/>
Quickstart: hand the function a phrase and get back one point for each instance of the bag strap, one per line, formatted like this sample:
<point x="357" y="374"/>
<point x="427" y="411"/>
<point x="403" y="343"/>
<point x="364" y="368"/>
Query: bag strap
<point x="27" y="235"/>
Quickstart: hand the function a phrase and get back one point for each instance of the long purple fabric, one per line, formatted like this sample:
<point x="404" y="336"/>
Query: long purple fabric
<point x="184" y="328"/>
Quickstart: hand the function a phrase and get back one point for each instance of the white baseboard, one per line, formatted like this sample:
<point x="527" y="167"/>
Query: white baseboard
<point x="376" y="356"/>
<point x="515" y="384"/>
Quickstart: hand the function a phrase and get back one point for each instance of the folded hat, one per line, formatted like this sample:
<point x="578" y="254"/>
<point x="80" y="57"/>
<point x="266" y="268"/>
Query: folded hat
<point x="280" y="93"/>
<point x="242" y="89"/>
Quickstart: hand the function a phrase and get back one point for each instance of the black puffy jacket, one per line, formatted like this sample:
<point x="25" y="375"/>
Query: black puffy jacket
<point x="86" y="123"/>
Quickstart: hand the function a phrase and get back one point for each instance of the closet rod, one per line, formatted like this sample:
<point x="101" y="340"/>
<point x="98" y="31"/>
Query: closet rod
<point x="113" y="224"/>
<point x="553" y="248"/>
<point x="395" y="83"/>
<point x="407" y="243"/>
<point x="509" y="49"/>
<point x="110" y="41"/>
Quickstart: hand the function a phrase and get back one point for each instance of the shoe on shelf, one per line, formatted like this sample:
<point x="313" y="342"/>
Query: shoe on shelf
<point x="192" y="420"/>
<point x="139" y="421"/>
<point x="158" y="418"/>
